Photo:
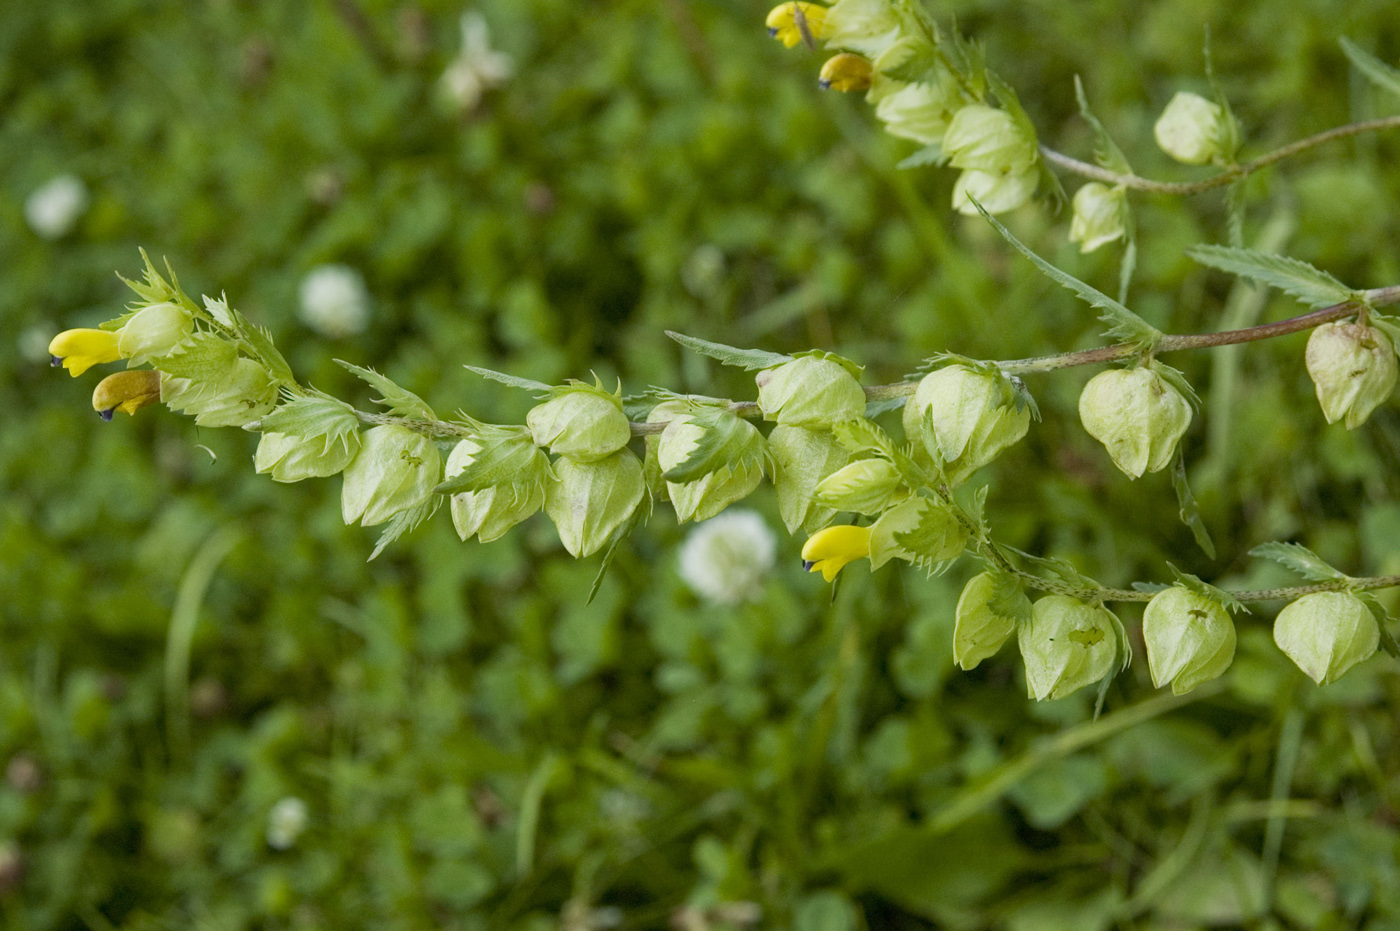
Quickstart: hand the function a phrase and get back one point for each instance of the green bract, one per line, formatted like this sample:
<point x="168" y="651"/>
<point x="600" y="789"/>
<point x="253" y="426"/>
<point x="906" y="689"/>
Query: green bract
<point x="1137" y="415"/>
<point x="865" y="26"/>
<point x="591" y="500"/>
<point x="583" y="423"/>
<point x="802" y="458"/>
<point x="488" y="512"/>
<point x="964" y="418"/>
<point x="1067" y="645"/>
<point x="1190" y="638"/>
<point x="738" y="460"/>
<point x="291" y="458"/>
<point x="395" y="470"/>
<point x="238" y="394"/>
<point x="991" y="608"/>
<point x="1353" y="367"/>
<point x="809" y="392"/>
<point x="918" y="530"/>
<point x="1327" y="633"/>
<point x="982" y="138"/>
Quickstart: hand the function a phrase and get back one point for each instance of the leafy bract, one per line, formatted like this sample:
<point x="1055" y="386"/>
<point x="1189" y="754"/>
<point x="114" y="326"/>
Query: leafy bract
<point x="1310" y="285"/>
<point x="749" y="360"/>
<point x="400" y="401"/>
<point x="1299" y="559"/>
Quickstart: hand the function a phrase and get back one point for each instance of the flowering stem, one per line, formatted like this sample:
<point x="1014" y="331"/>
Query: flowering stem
<point x="1229" y="175"/>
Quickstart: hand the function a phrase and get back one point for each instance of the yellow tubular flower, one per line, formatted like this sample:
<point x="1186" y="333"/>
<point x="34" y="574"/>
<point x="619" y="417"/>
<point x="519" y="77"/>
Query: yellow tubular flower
<point x="127" y="392"/>
<point x="827" y="551"/>
<point x="80" y="350"/>
<point x="846" y="72"/>
<point x="786" y="20"/>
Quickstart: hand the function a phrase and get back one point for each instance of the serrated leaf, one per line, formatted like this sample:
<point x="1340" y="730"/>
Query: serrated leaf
<point x="401" y="402"/>
<point x="1310" y="285"/>
<point x="219" y="310"/>
<point x="313" y="416"/>
<point x="1124" y="325"/>
<point x="203" y="357"/>
<point x="1058" y="567"/>
<point x="723" y="431"/>
<point x="260" y="341"/>
<point x="1298" y="558"/>
<point x="404" y="521"/>
<point x="1382" y="75"/>
<point x="504" y="461"/>
<point x="749" y="360"/>
<point x="928" y="155"/>
<point x="859" y="435"/>
<point x="619" y="535"/>
<point x="1189" y="510"/>
<point x="1106" y="151"/>
<point x="874" y="409"/>
<point x="527" y="384"/>
<point x="1193" y="583"/>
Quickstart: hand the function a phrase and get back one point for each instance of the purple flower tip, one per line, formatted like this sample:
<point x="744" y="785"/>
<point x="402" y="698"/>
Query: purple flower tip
<point x="55" y="361"/>
<point x="107" y="414"/>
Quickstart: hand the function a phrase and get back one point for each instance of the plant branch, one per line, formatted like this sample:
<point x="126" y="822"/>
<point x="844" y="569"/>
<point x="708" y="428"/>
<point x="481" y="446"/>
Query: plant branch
<point x="1370" y="583"/>
<point x="1229" y="175"/>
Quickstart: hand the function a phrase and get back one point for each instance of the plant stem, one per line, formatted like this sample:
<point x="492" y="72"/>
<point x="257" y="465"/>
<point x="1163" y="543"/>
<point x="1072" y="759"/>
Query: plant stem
<point x="1367" y="584"/>
<point x="1229" y="175"/>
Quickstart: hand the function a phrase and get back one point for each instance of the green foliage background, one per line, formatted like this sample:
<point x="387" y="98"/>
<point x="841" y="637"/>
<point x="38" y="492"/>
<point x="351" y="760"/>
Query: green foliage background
<point x="478" y="747"/>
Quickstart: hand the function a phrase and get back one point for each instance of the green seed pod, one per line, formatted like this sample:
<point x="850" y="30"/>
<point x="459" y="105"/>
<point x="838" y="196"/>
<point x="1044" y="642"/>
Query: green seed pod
<point x="982" y="138"/>
<point x="1194" y="130"/>
<point x="936" y="534"/>
<point x="802" y="458"/>
<point x="964" y="418"/>
<point x="1100" y="216"/>
<point x="153" y="332"/>
<point x="1190" y="638"/>
<point x="1353" y="367"/>
<point x="1327" y="633"/>
<point x="489" y="512"/>
<point x="583" y="423"/>
<point x="866" y="487"/>
<point x="1137" y="415"/>
<point x="291" y="458"/>
<point x="241" y="395"/>
<point x="1067" y="645"/>
<point x="992" y="606"/>
<point x="735" y="443"/>
<point x="395" y="470"/>
<point x="809" y="392"/>
<point x="591" y="500"/>
<point x="997" y="192"/>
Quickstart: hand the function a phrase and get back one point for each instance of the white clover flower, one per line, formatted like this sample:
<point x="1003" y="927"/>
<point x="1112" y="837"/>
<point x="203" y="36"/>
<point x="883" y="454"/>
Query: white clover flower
<point x="33" y="342"/>
<point x="335" y="301"/>
<point x="55" y="208"/>
<point x="286" y="822"/>
<point x="725" y="558"/>
<point x="477" y="67"/>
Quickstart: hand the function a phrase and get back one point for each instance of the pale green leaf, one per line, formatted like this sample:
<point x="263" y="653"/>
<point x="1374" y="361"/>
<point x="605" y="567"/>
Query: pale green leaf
<point x="401" y="402"/>
<point x="747" y="359"/>
<point x="1382" y="75"/>
<point x="1299" y="559"/>
<point x="1310" y="285"/>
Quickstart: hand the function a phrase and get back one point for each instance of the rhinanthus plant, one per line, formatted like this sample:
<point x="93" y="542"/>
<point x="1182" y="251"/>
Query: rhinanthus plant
<point x="596" y="462"/>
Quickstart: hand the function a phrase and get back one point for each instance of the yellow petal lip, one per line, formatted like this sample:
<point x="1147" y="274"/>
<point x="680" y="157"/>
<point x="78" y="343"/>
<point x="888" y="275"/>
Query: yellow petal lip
<point x="81" y="349"/>
<point x="783" y="23"/>
<point x="846" y="72"/>
<point x="127" y="392"/>
<point x="829" y="551"/>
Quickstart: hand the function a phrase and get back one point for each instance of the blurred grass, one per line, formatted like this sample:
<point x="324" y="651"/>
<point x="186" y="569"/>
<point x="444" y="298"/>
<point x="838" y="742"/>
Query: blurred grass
<point x="480" y="749"/>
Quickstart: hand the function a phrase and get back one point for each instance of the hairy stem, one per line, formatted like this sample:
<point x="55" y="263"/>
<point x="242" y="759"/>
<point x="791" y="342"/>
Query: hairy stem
<point x="1229" y="175"/>
<point x="1371" y="583"/>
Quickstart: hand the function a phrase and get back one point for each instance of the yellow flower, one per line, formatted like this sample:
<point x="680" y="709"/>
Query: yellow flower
<point x="786" y="20"/>
<point x="846" y="72"/>
<point x="827" y="551"/>
<point x="80" y="350"/>
<point x="127" y="392"/>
